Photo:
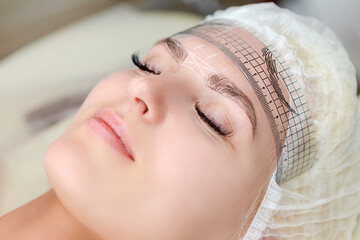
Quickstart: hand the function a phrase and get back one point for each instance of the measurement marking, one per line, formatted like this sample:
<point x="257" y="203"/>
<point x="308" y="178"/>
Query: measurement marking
<point x="295" y="125"/>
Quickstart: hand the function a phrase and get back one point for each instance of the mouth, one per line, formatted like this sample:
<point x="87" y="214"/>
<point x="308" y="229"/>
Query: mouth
<point x="112" y="128"/>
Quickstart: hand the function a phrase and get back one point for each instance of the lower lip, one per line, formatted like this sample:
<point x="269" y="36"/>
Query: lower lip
<point x="102" y="129"/>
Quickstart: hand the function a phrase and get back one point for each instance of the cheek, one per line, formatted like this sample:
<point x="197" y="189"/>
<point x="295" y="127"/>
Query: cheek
<point x="196" y="178"/>
<point x="112" y="90"/>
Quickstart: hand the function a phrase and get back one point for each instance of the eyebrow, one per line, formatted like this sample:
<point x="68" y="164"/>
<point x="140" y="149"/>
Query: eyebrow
<point x="216" y="82"/>
<point x="176" y="49"/>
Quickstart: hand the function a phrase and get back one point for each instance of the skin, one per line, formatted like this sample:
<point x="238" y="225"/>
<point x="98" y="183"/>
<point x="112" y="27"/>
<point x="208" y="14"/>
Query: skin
<point x="187" y="182"/>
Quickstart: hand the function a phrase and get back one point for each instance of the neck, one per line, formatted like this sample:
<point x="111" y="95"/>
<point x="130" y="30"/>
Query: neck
<point x="42" y="218"/>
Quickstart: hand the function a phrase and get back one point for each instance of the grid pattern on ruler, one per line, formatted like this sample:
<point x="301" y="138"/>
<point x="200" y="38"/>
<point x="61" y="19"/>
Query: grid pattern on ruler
<point x="299" y="145"/>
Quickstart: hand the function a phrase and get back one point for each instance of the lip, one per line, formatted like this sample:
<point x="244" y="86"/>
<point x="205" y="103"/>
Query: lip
<point x="107" y="124"/>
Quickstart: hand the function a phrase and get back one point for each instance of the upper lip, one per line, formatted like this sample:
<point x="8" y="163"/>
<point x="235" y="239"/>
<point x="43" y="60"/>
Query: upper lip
<point x="118" y="125"/>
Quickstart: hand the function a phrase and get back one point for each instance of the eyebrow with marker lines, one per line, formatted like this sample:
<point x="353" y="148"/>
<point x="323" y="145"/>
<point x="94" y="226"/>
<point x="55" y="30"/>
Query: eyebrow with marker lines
<point x="216" y="82"/>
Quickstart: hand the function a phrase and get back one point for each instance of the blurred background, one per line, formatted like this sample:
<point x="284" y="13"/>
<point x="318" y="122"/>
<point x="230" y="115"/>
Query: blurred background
<point x="23" y="21"/>
<point x="52" y="52"/>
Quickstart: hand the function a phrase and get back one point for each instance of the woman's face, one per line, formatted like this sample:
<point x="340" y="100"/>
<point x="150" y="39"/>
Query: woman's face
<point x="186" y="180"/>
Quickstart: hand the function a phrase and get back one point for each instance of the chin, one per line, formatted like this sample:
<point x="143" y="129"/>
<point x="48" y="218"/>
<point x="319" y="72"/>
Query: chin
<point x="64" y="165"/>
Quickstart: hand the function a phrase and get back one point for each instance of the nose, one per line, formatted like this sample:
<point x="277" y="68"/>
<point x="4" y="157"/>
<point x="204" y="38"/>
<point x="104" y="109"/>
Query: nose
<point x="146" y="95"/>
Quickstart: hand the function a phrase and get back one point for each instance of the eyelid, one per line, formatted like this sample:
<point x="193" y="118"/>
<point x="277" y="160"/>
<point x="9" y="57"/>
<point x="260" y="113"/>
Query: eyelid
<point x="215" y="126"/>
<point x="144" y="66"/>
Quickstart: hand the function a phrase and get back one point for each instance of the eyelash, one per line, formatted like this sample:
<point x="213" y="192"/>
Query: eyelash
<point x="212" y="123"/>
<point x="208" y="120"/>
<point x="144" y="66"/>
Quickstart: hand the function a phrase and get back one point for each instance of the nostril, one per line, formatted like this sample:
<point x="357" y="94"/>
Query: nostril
<point x="142" y="106"/>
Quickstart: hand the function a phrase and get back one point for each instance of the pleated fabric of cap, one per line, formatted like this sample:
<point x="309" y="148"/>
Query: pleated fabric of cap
<point x="322" y="200"/>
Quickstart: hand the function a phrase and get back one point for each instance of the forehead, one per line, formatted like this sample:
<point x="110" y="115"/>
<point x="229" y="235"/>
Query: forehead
<point x="208" y="57"/>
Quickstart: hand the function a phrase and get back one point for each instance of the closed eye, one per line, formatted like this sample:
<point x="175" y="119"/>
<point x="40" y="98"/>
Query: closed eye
<point x="218" y="128"/>
<point x="143" y="66"/>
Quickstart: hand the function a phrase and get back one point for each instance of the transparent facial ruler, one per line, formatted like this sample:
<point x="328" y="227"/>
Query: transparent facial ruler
<point x="281" y="97"/>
